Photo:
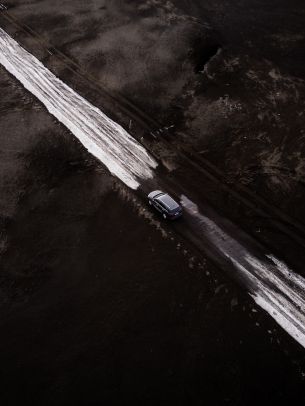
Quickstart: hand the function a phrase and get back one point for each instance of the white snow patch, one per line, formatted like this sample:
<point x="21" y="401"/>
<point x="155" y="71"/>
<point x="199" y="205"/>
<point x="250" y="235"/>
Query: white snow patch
<point x="103" y="138"/>
<point x="273" y="286"/>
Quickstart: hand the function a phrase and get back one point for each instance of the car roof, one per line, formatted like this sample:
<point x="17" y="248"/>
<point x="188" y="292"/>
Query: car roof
<point x="167" y="201"/>
<point x="155" y="193"/>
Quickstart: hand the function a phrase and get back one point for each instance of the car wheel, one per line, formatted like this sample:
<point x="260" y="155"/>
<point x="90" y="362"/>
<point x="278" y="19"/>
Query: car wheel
<point x="164" y="216"/>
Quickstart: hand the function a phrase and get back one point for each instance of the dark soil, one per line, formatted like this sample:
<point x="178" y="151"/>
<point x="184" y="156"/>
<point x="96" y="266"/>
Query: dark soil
<point x="100" y="303"/>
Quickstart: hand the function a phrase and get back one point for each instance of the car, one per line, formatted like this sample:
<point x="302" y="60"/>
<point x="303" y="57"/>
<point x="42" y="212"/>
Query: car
<point x="165" y="204"/>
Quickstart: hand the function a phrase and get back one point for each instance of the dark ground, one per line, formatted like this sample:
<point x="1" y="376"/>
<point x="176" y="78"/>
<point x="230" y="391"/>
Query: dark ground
<point x="100" y="304"/>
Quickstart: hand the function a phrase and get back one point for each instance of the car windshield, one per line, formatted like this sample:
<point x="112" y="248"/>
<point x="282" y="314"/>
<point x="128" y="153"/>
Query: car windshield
<point x="168" y="202"/>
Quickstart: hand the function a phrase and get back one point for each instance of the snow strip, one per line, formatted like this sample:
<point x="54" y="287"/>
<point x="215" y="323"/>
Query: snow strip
<point x="273" y="286"/>
<point x="101" y="136"/>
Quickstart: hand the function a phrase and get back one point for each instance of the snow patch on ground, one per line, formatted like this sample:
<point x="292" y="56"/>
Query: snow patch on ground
<point x="101" y="136"/>
<point x="273" y="286"/>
